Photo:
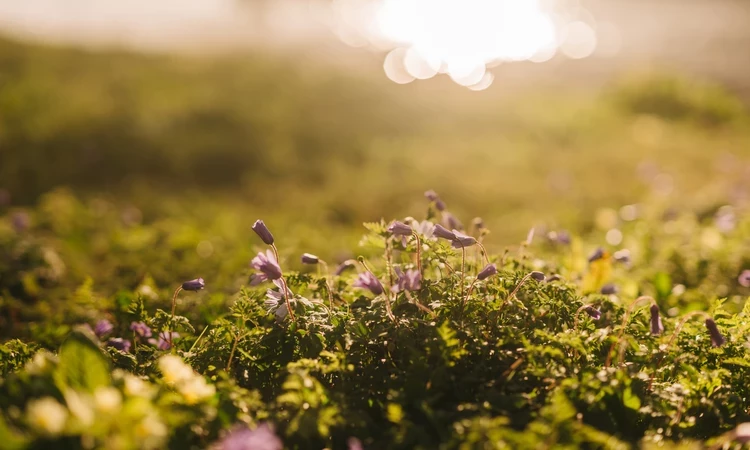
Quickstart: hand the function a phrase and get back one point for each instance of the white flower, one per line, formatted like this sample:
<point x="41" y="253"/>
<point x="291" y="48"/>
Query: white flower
<point x="196" y="389"/>
<point x="136" y="387"/>
<point x="107" y="399"/>
<point x="40" y="363"/>
<point x="151" y="432"/>
<point x="47" y="415"/>
<point x="174" y="370"/>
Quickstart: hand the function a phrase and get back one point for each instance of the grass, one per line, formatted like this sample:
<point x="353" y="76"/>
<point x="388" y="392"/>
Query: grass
<point x="130" y="174"/>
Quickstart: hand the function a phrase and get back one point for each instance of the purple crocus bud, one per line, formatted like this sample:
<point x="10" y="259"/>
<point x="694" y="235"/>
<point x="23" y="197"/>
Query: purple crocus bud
<point x="537" y="275"/>
<point x="103" y="328"/>
<point x="433" y="197"/>
<point x="744" y="278"/>
<point x="366" y="280"/>
<point x="450" y="221"/>
<point x="344" y="266"/>
<point x="120" y="344"/>
<point x="141" y="329"/>
<point x="609" y="289"/>
<point x="593" y="312"/>
<point x="309" y="258"/>
<point x="717" y="340"/>
<point x="488" y="271"/>
<point x="243" y="438"/>
<point x="462" y="240"/>
<point x="443" y="233"/>
<point x="411" y="280"/>
<point x="194" y="285"/>
<point x="656" y="326"/>
<point x="598" y="254"/>
<point x="165" y="339"/>
<point x="261" y="230"/>
<point x="268" y="266"/>
<point x="400" y="229"/>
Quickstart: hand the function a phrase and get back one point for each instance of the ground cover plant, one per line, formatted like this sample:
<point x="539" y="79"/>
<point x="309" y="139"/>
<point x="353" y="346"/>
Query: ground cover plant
<point x="423" y="340"/>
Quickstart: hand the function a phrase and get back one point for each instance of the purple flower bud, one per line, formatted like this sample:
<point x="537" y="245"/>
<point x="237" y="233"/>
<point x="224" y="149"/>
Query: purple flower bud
<point x="656" y="326"/>
<point x="478" y="223"/>
<point x="20" y="221"/>
<point x="120" y="344"/>
<point x="411" y="280"/>
<point x="609" y="289"/>
<point x="744" y="278"/>
<point x="538" y="276"/>
<point x="344" y="266"/>
<point x="555" y="277"/>
<point x="309" y="258"/>
<point x="593" y="312"/>
<point x="165" y="337"/>
<point x="194" y="285"/>
<point x="622" y="256"/>
<point x="103" y="327"/>
<point x="141" y="329"/>
<point x="400" y="229"/>
<point x="717" y="340"/>
<point x="268" y="266"/>
<point x="598" y="254"/>
<point x="433" y="197"/>
<point x="450" y="221"/>
<point x="442" y="233"/>
<point x="366" y="280"/>
<point x="261" y="230"/>
<point x="488" y="271"/>
<point x="243" y="438"/>
<point x="462" y="240"/>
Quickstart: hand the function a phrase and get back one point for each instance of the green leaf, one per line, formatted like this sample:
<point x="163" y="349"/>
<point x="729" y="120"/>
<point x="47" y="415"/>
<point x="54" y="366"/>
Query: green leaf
<point x="630" y="400"/>
<point x="82" y="366"/>
<point x="663" y="285"/>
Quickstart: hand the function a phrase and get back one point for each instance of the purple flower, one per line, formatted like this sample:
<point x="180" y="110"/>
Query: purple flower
<point x="275" y="300"/>
<point x="242" y="438"/>
<point x="194" y="285"/>
<point x="268" y="266"/>
<point x="555" y="277"/>
<point x="462" y="240"/>
<point x="744" y="278"/>
<point x="141" y="329"/>
<point x="165" y="337"/>
<point x="20" y="221"/>
<point x="450" y="221"/>
<point x="717" y="340"/>
<point x="598" y="254"/>
<point x="400" y="229"/>
<point x="103" y="328"/>
<point x="344" y="266"/>
<point x="538" y="276"/>
<point x="593" y="312"/>
<point x="367" y="280"/>
<point x="261" y="230"/>
<point x="609" y="289"/>
<point x="488" y="271"/>
<point x="622" y="256"/>
<point x="354" y="444"/>
<point x="433" y="197"/>
<point x="443" y="233"/>
<point x="411" y="280"/>
<point x="120" y="344"/>
<point x="309" y="258"/>
<point x="656" y="326"/>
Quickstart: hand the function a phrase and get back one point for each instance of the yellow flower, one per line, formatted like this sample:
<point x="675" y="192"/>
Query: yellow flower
<point x="196" y="389"/>
<point x="47" y="415"/>
<point x="174" y="370"/>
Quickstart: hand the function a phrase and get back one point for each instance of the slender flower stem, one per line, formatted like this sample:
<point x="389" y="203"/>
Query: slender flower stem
<point x="419" y="305"/>
<point x="419" y="253"/>
<point x="463" y="269"/>
<point x="174" y="304"/>
<point x="471" y="289"/>
<point x="484" y="252"/>
<point x="578" y="312"/>
<point x="237" y="338"/>
<point x="386" y="294"/>
<point x="625" y="323"/>
<point x="283" y="283"/>
<point x="676" y="331"/>
<point x="515" y="290"/>
<point x="328" y="284"/>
